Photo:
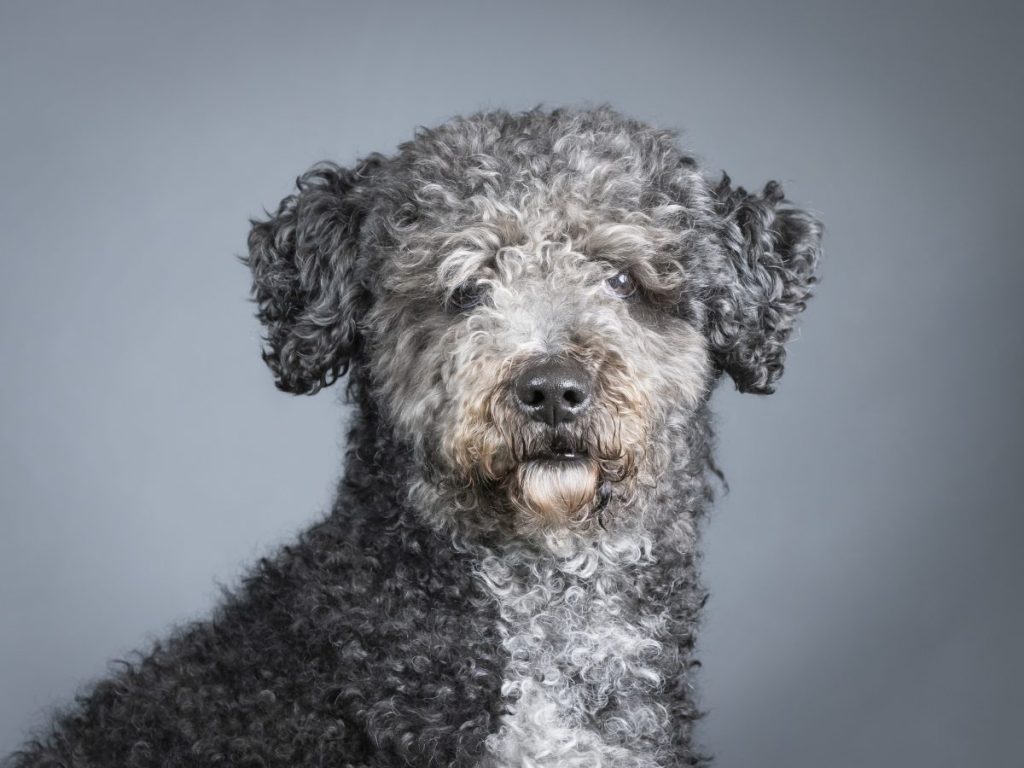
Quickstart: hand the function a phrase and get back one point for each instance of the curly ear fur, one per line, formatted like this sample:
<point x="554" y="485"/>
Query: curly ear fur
<point x="305" y="267"/>
<point x="772" y="252"/>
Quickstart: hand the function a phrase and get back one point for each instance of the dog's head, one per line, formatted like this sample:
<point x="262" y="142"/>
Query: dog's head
<point x="542" y="303"/>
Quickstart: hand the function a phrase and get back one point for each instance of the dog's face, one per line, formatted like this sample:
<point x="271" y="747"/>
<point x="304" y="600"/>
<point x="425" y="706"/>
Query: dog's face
<point x="542" y="303"/>
<point x="535" y="355"/>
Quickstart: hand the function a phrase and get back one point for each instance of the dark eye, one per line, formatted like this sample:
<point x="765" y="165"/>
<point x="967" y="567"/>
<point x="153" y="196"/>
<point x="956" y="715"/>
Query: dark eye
<point x="466" y="296"/>
<point x="622" y="285"/>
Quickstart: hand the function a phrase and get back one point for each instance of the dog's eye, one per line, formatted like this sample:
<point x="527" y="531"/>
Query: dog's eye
<point x="466" y="296"/>
<point x="622" y="285"/>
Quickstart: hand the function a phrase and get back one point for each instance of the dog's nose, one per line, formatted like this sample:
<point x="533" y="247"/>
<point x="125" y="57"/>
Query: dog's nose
<point x="553" y="391"/>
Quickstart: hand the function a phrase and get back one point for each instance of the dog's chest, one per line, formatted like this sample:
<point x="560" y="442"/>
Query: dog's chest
<point x="589" y="657"/>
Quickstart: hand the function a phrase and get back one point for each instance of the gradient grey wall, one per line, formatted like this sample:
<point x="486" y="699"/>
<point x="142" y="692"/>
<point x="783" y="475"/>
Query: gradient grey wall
<point x="865" y="569"/>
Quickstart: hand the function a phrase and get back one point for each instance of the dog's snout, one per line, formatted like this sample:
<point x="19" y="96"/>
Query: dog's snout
<point x="554" y="391"/>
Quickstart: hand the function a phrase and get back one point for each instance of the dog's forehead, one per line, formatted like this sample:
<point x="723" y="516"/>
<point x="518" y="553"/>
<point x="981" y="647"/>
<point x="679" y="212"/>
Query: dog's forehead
<point x="544" y="159"/>
<point x="463" y="193"/>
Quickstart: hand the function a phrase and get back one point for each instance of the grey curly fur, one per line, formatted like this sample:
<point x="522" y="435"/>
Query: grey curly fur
<point x="455" y="608"/>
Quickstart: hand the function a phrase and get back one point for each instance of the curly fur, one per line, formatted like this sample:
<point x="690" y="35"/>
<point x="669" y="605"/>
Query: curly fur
<point x="470" y="601"/>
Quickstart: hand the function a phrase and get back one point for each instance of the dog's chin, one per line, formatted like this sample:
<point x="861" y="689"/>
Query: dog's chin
<point x="557" y="491"/>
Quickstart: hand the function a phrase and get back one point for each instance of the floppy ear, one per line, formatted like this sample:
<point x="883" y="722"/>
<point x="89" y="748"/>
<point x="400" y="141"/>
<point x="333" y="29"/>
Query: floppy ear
<point x="306" y="276"/>
<point x="771" y="252"/>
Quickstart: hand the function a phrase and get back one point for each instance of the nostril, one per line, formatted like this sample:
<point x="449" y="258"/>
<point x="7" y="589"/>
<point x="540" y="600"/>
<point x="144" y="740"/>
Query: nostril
<point x="574" y="396"/>
<point x="532" y="396"/>
<point x="531" y="391"/>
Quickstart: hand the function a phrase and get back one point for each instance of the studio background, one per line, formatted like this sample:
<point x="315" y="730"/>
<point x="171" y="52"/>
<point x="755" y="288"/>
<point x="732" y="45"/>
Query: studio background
<point x="865" y="568"/>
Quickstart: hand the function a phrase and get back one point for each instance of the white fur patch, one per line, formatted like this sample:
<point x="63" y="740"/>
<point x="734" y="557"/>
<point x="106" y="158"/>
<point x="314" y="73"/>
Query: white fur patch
<point x="582" y="683"/>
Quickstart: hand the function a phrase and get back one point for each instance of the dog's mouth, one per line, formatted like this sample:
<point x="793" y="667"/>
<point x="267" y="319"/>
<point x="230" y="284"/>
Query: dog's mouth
<point x="560" y="451"/>
<point x="557" y="479"/>
<point x="566" y="457"/>
<point x="557" y="484"/>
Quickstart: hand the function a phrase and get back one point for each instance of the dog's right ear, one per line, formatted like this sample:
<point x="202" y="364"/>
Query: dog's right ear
<point x="306" y="272"/>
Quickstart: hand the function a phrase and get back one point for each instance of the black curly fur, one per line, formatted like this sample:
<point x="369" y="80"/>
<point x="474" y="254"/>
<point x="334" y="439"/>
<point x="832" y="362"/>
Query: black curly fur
<point x="305" y="277"/>
<point x="772" y="262"/>
<point x="313" y="661"/>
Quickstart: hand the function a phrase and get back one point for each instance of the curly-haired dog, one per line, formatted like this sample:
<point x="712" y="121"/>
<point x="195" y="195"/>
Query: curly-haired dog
<point x="533" y="310"/>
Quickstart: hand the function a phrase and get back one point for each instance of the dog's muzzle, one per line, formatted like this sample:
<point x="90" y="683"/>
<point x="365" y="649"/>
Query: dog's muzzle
<point x="560" y="480"/>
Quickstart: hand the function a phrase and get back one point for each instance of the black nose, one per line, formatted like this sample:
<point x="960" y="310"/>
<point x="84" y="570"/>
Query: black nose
<point x="553" y="391"/>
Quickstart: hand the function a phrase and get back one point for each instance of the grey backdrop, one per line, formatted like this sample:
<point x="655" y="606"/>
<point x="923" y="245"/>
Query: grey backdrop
<point x="865" y="569"/>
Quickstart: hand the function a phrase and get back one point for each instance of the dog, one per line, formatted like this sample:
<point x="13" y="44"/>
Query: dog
<point x="531" y="311"/>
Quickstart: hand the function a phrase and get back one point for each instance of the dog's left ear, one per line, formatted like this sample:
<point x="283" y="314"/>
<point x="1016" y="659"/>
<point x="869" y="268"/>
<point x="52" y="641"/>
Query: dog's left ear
<point x="771" y="252"/>
<point x="307" y="275"/>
